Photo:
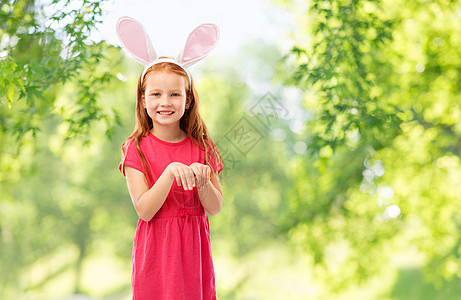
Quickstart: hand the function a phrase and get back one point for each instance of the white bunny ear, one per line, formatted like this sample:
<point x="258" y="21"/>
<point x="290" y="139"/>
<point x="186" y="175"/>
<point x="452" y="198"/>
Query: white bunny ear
<point x="135" y="39"/>
<point x="199" y="43"/>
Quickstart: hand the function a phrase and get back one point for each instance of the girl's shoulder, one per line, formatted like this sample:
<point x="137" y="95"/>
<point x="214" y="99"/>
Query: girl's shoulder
<point x="127" y="144"/>
<point x="214" y="155"/>
<point x="211" y="146"/>
<point x="201" y="146"/>
<point x="130" y="144"/>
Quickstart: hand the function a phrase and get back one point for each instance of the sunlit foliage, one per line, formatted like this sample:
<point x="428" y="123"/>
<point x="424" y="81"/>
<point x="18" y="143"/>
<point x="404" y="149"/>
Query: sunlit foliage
<point x="382" y="78"/>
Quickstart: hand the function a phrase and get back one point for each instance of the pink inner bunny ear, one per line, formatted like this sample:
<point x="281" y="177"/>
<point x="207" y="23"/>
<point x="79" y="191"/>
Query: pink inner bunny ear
<point x="135" y="39"/>
<point x="199" y="43"/>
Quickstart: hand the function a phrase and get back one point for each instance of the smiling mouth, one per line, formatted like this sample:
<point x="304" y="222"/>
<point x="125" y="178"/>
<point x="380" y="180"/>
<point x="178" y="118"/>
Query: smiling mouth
<point x="165" y="112"/>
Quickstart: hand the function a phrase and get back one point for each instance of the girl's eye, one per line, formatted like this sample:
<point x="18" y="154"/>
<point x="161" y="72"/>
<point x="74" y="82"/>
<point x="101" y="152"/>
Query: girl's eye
<point x="155" y="94"/>
<point x="175" y="95"/>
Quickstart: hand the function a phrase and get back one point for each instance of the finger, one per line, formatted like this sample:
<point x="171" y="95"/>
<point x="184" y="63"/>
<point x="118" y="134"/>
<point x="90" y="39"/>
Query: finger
<point x="199" y="175"/>
<point x="189" y="175"/>
<point x="196" y="171"/>
<point x="199" y="179"/>
<point x="184" y="180"/>
<point x="191" y="179"/>
<point x="199" y="182"/>
<point x="177" y="176"/>
<point x="196" y="178"/>
<point x="176" y="170"/>
<point x="208" y="173"/>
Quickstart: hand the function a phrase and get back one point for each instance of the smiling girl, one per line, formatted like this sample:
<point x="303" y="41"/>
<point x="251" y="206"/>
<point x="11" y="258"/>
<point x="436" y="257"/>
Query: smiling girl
<point x="171" y="167"/>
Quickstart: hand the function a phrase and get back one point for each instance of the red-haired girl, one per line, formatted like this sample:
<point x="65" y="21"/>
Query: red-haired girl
<point x="171" y="166"/>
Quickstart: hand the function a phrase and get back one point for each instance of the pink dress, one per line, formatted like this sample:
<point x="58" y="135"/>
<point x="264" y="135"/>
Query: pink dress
<point x="172" y="252"/>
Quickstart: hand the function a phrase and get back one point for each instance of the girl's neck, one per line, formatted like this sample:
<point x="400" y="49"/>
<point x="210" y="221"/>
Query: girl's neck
<point x="168" y="134"/>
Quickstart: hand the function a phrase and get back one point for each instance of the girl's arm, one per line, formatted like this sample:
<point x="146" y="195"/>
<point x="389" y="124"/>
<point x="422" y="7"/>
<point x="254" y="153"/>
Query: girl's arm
<point x="148" y="201"/>
<point x="211" y="195"/>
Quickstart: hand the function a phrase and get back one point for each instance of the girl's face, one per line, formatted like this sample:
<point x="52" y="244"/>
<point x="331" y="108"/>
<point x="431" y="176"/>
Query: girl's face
<point x="165" y="98"/>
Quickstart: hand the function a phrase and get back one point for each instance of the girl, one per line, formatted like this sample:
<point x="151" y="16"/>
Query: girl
<point x="171" y="166"/>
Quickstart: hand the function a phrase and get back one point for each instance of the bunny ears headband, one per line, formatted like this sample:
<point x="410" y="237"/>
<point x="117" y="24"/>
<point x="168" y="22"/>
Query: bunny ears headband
<point x="199" y="44"/>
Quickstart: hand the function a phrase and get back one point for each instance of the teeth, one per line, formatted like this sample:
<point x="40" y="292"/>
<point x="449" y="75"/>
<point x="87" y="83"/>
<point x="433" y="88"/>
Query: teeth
<point x="165" y="113"/>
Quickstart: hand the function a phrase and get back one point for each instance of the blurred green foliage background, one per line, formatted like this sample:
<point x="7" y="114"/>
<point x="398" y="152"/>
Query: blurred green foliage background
<point x="341" y="153"/>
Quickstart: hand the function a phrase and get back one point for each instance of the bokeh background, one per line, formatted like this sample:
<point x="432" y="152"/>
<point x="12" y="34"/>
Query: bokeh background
<point x="339" y="123"/>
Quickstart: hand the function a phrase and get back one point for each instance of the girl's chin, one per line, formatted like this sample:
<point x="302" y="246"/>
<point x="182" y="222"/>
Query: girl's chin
<point x="166" y="122"/>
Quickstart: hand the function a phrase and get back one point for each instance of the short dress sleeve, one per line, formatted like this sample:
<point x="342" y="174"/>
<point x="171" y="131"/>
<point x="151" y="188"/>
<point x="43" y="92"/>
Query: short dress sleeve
<point x="130" y="157"/>
<point x="216" y="167"/>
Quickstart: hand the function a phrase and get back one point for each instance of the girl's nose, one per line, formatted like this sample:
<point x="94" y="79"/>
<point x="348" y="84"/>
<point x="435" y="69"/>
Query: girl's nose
<point x="165" y="100"/>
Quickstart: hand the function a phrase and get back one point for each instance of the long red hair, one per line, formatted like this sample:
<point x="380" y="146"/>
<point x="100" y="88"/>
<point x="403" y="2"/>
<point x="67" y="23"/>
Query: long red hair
<point x="191" y="122"/>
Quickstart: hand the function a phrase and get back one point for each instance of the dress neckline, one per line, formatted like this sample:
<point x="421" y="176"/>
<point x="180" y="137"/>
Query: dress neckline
<point x="169" y="143"/>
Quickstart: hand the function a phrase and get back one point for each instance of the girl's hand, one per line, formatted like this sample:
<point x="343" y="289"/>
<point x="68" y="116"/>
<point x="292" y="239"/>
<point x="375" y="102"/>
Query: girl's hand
<point x="202" y="174"/>
<point x="183" y="174"/>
